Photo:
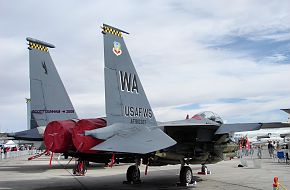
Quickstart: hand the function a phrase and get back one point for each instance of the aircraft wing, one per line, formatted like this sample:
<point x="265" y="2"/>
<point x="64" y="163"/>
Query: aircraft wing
<point x="188" y="122"/>
<point x="238" y="127"/>
<point x="192" y="124"/>
<point x="142" y="140"/>
<point x="274" y="125"/>
<point x="286" y="110"/>
<point x="220" y="128"/>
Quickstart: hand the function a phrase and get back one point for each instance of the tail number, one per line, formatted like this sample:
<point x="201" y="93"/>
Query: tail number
<point x="128" y="82"/>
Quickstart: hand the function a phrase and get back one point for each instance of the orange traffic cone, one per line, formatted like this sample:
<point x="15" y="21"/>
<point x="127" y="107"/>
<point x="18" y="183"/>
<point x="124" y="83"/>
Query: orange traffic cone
<point x="276" y="183"/>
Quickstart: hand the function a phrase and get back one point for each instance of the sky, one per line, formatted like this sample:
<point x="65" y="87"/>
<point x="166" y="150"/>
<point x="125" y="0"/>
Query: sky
<point x="232" y="58"/>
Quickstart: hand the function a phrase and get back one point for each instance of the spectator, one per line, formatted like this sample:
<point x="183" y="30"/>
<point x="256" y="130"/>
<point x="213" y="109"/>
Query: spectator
<point x="5" y="152"/>
<point x="270" y="149"/>
<point x="251" y="150"/>
<point x="259" y="154"/>
<point x="274" y="149"/>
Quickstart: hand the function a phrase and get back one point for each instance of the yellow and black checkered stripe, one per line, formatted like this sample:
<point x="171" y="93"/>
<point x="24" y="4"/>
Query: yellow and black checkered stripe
<point x="112" y="31"/>
<point x="38" y="46"/>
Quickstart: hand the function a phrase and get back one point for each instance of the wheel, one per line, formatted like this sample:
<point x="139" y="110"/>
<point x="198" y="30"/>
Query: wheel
<point x="185" y="175"/>
<point x="133" y="174"/>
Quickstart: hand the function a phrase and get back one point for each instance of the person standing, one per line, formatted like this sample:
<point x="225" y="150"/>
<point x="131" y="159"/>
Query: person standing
<point x="259" y="154"/>
<point x="5" y="152"/>
<point x="274" y="150"/>
<point x="269" y="148"/>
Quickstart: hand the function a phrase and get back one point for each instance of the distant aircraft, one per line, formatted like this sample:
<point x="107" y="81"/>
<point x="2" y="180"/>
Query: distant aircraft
<point x="49" y="100"/>
<point x="263" y="136"/>
<point x="132" y="128"/>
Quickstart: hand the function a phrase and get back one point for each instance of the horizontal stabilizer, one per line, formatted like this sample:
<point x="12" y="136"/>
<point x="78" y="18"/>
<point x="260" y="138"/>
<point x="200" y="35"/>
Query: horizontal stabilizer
<point x="35" y="134"/>
<point x="143" y="141"/>
<point x="238" y="127"/>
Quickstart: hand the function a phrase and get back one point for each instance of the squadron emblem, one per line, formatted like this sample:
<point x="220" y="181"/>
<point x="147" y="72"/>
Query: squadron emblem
<point x="44" y="67"/>
<point x="117" y="48"/>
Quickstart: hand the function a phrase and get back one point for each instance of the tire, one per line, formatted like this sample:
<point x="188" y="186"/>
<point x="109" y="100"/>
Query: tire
<point x="185" y="175"/>
<point x="133" y="174"/>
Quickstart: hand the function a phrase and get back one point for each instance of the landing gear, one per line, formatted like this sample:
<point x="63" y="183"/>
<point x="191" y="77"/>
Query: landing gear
<point x="185" y="175"/>
<point x="204" y="170"/>
<point x="80" y="168"/>
<point x="133" y="173"/>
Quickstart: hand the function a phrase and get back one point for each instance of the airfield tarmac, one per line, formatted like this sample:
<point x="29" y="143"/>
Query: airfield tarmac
<point x="18" y="173"/>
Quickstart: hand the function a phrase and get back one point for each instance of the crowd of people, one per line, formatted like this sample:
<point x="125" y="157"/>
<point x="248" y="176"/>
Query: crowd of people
<point x="246" y="148"/>
<point x="4" y="150"/>
<point x="275" y="147"/>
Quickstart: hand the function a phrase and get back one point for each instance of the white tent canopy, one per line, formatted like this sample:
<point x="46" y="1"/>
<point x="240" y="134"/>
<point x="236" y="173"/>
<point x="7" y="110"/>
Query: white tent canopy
<point x="10" y="143"/>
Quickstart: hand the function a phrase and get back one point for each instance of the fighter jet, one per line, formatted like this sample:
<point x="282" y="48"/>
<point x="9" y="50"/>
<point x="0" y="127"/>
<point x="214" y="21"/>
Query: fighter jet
<point x="49" y="100"/>
<point x="132" y="128"/>
<point x="130" y="131"/>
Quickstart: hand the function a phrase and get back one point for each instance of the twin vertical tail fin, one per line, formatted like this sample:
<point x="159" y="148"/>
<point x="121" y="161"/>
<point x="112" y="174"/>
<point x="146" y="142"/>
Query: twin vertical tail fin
<point x="131" y="123"/>
<point x="49" y="99"/>
<point x="126" y="101"/>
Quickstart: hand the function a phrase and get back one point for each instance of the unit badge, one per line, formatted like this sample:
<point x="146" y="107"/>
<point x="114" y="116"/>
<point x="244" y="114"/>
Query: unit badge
<point x="44" y="67"/>
<point x="117" y="48"/>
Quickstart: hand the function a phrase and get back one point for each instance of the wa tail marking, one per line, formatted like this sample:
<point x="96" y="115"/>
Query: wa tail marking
<point x="128" y="82"/>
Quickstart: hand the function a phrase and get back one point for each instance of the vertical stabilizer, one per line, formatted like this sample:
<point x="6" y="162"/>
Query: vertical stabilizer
<point x="131" y="123"/>
<point x="126" y="101"/>
<point x="49" y="99"/>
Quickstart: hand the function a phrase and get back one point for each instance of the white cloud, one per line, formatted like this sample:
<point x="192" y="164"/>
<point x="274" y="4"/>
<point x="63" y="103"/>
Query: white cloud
<point x="169" y="43"/>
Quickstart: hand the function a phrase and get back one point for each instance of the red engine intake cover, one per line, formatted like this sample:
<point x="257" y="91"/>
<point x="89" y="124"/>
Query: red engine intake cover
<point x="58" y="136"/>
<point x="85" y="143"/>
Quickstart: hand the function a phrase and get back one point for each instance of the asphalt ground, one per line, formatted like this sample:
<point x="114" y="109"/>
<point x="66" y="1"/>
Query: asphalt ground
<point x="19" y="173"/>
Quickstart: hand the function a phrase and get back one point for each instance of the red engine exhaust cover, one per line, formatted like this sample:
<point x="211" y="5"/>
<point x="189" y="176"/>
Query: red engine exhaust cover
<point x="85" y="143"/>
<point x="58" y="136"/>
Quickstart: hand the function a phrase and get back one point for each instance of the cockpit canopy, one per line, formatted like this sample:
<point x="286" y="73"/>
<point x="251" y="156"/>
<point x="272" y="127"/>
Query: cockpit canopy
<point x="209" y="115"/>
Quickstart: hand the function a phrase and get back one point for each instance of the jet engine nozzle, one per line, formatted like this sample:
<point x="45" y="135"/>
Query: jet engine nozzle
<point x="84" y="143"/>
<point x="58" y="136"/>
